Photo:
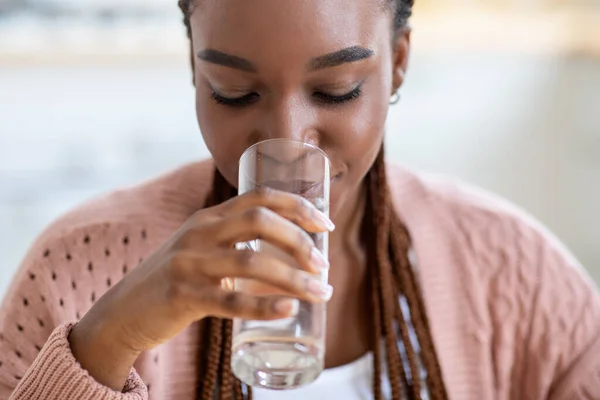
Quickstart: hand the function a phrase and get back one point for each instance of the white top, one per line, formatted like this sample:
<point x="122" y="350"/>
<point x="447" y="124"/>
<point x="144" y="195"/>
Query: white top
<point x="348" y="382"/>
<point x="354" y="381"/>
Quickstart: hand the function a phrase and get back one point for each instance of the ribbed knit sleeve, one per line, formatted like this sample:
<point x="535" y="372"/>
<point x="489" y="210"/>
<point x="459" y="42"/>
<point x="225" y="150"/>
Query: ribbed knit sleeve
<point x="537" y="308"/>
<point x="582" y="380"/>
<point x="65" y="272"/>
<point x="560" y="336"/>
<point x="56" y="374"/>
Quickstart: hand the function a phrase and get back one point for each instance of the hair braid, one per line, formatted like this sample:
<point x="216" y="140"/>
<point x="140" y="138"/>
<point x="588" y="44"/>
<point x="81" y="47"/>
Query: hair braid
<point x="378" y="332"/>
<point x="211" y="376"/>
<point x="400" y="247"/>
<point x="204" y="343"/>
<point x="406" y="278"/>
<point x="402" y="241"/>
<point x="216" y="356"/>
<point x="238" y="391"/>
<point x="415" y="381"/>
<point x="227" y="384"/>
<point x="386" y="291"/>
<point x="395" y="246"/>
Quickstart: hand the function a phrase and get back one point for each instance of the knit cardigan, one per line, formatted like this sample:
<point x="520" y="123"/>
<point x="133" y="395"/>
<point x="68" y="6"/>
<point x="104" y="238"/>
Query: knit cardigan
<point x="513" y="315"/>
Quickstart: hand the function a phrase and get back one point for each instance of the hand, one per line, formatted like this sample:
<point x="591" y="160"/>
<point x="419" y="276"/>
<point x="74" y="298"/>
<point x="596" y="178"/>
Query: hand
<point x="182" y="281"/>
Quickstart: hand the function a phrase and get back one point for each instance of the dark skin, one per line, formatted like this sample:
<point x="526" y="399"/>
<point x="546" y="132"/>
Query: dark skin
<point x="284" y="60"/>
<point x="278" y="45"/>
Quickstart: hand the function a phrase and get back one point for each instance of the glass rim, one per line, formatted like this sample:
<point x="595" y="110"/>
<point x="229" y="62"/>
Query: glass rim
<point x="282" y="140"/>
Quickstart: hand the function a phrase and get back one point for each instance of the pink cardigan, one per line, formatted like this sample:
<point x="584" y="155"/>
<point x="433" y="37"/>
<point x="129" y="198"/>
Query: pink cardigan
<point x="513" y="314"/>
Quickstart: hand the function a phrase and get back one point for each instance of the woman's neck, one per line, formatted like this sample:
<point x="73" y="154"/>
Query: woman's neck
<point x="348" y="223"/>
<point x="348" y="336"/>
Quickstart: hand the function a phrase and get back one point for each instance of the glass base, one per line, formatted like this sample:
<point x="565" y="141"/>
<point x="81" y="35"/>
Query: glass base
<point x="276" y="365"/>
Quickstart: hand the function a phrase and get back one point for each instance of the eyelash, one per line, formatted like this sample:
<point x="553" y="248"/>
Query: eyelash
<point x="352" y="95"/>
<point x="252" y="97"/>
<point x="235" y="102"/>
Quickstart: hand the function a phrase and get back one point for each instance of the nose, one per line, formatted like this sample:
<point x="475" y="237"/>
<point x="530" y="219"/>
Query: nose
<point x="289" y="118"/>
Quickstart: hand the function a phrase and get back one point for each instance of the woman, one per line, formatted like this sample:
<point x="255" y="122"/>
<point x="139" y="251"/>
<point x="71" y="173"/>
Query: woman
<point x="491" y="306"/>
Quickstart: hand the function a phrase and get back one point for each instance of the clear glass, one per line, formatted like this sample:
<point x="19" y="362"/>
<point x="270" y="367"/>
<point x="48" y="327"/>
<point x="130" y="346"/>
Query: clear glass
<point x="285" y="353"/>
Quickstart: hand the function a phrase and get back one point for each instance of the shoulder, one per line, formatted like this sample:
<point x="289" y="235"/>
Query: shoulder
<point x="489" y="232"/>
<point x="84" y="252"/>
<point x="450" y="193"/>
<point x="472" y="212"/>
<point x="177" y="193"/>
<point x="162" y="203"/>
<point x="522" y="285"/>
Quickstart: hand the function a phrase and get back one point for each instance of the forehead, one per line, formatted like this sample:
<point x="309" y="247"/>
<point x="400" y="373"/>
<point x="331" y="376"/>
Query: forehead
<point x="288" y="29"/>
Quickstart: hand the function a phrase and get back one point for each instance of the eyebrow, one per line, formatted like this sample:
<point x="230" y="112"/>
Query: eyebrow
<point x="347" y="55"/>
<point x="343" y="56"/>
<point x="226" y="60"/>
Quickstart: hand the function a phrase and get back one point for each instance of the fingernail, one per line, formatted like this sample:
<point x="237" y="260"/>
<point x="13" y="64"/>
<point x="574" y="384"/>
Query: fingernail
<point x="288" y="306"/>
<point x="319" y="289"/>
<point x="318" y="259"/>
<point x="327" y="223"/>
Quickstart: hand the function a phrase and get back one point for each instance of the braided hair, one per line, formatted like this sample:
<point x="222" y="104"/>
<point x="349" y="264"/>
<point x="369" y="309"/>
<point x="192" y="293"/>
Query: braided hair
<point x="389" y="275"/>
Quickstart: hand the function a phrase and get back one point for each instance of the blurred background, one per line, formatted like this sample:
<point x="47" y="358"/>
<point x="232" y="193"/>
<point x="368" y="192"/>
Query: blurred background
<point x="505" y="94"/>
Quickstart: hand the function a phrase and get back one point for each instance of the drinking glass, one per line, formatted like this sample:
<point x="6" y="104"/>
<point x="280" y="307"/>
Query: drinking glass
<point x="285" y="353"/>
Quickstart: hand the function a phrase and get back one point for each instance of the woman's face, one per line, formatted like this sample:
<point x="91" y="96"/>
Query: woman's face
<point x="313" y="70"/>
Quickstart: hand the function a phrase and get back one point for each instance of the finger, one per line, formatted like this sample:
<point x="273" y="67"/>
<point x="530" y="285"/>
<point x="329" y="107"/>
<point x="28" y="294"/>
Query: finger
<point x="225" y="304"/>
<point x="262" y="223"/>
<point x="228" y="283"/>
<point x="262" y="268"/>
<point x="291" y="206"/>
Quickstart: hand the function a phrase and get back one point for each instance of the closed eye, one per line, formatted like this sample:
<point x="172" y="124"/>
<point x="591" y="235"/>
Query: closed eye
<point x="241" y="101"/>
<point x="333" y="99"/>
<point x="253" y="97"/>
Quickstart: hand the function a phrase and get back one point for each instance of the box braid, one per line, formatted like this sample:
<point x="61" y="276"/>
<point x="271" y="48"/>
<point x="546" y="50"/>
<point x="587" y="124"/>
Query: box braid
<point x="390" y="275"/>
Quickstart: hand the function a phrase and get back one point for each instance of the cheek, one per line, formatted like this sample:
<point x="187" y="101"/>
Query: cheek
<point x="223" y="135"/>
<point x="358" y="132"/>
